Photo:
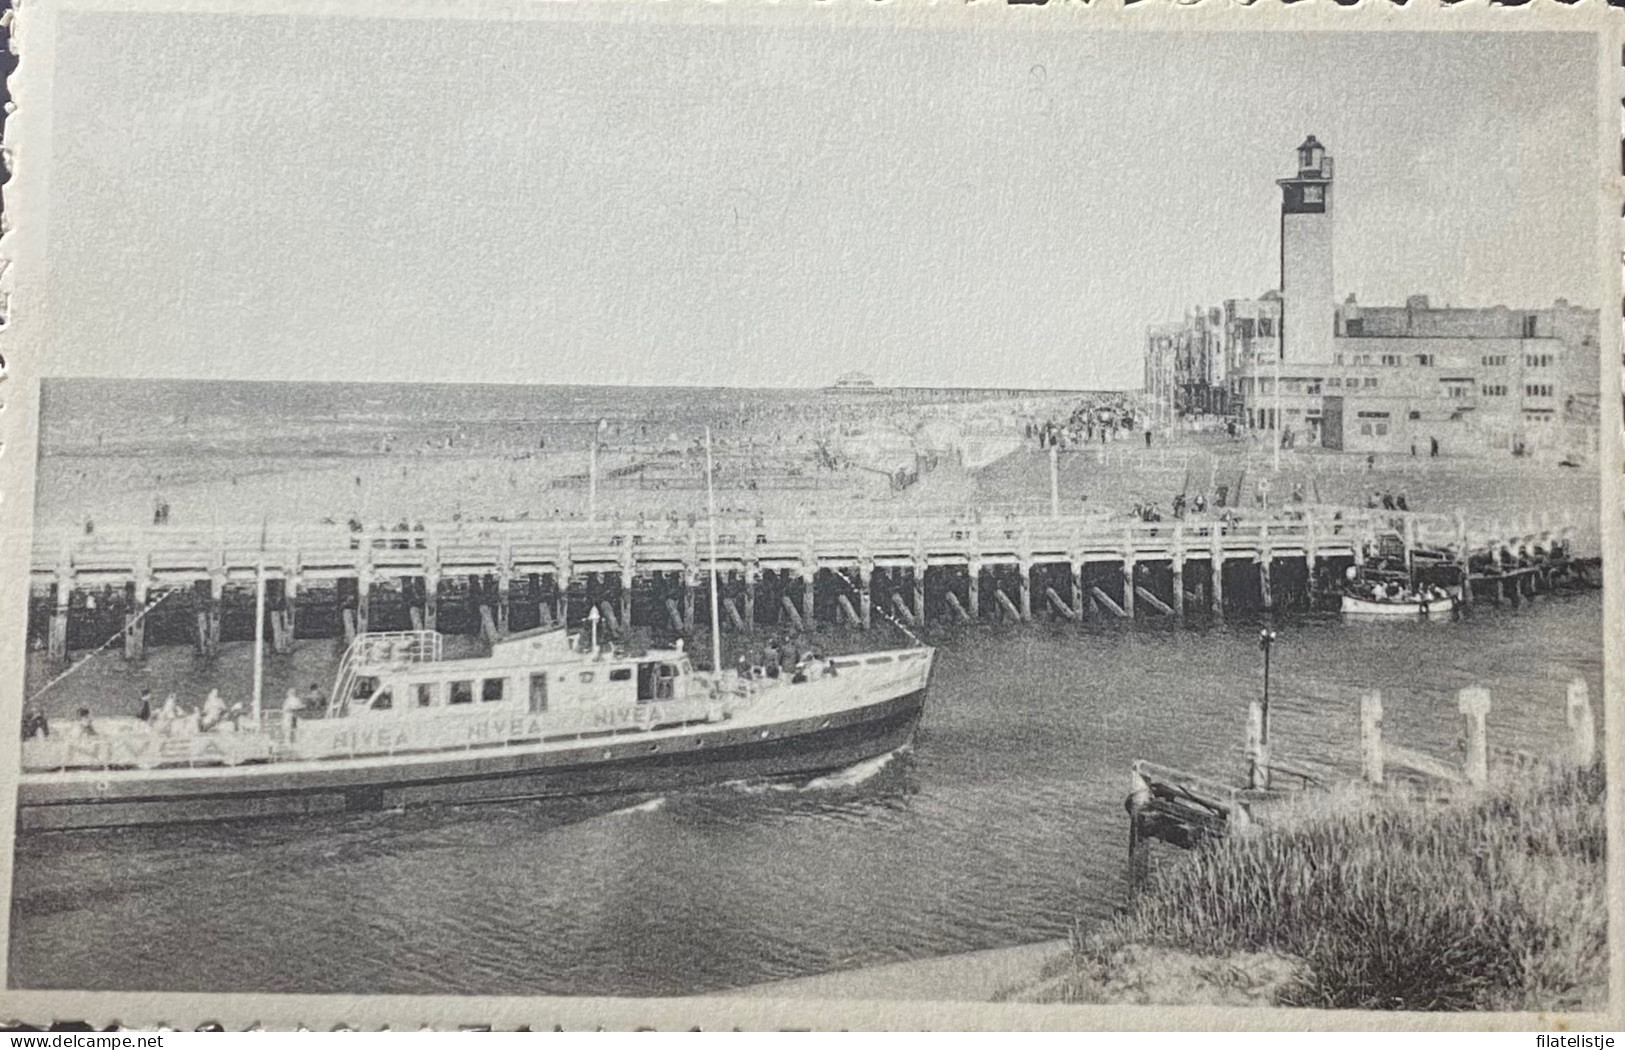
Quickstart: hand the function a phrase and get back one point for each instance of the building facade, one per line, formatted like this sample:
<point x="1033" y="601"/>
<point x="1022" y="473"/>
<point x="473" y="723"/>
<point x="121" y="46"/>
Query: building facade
<point x="1185" y="365"/>
<point x="1418" y="377"/>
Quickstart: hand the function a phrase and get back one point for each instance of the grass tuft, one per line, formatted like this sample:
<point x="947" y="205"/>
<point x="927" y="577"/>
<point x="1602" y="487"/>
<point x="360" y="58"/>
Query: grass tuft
<point x="1488" y="902"/>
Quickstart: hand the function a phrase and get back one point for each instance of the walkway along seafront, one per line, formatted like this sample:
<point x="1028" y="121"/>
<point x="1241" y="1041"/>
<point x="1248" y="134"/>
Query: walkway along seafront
<point x="164" y="585"/>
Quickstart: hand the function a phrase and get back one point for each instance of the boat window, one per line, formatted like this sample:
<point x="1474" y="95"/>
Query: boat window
<point x="878" y="660"/>
<point x="462" y="692"/>
<point x="538" y="693"/>
<point x="491" y="689"/>
<point x="365" y="686"/>
<point x="621" y="674"/>
<point x="382" y="700"/>
<point x="423" y="692"/>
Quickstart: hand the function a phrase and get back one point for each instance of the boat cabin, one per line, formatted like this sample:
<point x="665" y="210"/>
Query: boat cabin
<point x="404" y="674"/>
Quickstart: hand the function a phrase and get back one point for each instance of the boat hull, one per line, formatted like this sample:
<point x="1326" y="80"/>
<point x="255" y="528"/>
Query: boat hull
<point x="627" y="762"/>
<point x="1362" y="607"/>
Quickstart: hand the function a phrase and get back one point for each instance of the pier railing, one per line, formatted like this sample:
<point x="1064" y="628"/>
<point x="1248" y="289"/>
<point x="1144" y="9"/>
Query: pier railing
<point x="516" y="545"/>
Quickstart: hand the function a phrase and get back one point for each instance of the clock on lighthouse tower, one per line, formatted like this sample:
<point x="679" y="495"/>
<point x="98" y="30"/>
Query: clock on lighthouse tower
<point x="1308" y="303"/>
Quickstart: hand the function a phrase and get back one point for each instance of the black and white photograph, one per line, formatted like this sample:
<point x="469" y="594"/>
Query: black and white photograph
<point x="793" y="505"/>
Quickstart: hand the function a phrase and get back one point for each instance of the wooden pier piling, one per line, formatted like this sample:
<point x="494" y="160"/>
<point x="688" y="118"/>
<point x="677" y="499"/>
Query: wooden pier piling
<point x="1179" y="572"/>
<point x="575" y="566"/>
<point x="1216" y="578"/>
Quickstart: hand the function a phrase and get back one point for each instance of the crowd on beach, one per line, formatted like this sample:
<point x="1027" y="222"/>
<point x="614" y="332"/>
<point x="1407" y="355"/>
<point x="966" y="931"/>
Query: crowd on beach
<point x="1106" y="417"/>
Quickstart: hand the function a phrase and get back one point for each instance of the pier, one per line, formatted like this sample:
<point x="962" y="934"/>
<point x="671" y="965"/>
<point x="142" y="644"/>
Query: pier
<point x="163" y="585"/>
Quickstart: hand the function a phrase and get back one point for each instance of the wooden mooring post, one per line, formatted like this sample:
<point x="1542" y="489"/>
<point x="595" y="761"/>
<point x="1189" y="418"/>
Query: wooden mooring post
<point x="1371" y="736"/>
<point x="1582" y="728"/>
<point x="1474" y="705"/>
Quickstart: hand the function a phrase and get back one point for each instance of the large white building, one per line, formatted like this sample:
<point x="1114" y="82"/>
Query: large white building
<point x="1389" y="378"/>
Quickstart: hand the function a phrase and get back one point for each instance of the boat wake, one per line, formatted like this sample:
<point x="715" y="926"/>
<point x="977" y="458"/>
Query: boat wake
<point x="651" y="806"/>
<point x="852" y="776"/>
<point x="840" y="780"/>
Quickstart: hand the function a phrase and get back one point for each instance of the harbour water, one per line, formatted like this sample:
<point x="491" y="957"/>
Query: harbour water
<point x="1002" y="825"/>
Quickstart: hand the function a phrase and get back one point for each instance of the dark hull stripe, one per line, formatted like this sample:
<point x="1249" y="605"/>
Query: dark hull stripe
<point x="805" y="747"/>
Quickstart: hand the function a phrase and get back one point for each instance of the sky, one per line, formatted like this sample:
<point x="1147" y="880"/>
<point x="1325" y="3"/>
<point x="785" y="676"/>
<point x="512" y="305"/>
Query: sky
<point x="350" y="199"/>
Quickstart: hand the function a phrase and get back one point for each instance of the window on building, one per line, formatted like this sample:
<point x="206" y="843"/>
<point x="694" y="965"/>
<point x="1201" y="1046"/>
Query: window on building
<point x="1312" y="388"/>
<point x="1370" y="382"/>
<point x="1529" y="326"/>
<point x="1382" y="429"/>
<point x="1537" y="390"/>
<point x="1355" y="327"/>
<point x="1335" y="381"/>
<point x="1494" y="361"/>
<point x="1314" y="195"/>
<point x="1337" y="359"/>
<point x="1390" y="360"/>
<point x="1425" y="360"/>
<point x="1415" y="415"/>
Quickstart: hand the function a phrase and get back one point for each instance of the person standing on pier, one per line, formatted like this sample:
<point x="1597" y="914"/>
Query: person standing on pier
<point x="165" y="722"/>
<point x="291" y="707"/>
<point x="144" y="712"/>
<point x="214" y="709"/>
<point x="34" y="721"/>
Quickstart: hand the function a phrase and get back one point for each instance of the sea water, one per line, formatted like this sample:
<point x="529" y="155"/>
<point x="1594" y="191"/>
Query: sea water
<point x="1003" y="824"/>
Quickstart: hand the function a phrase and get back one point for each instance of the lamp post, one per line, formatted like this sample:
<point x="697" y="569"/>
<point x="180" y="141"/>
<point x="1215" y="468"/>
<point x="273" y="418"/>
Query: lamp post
<point x="1275" y="429"/>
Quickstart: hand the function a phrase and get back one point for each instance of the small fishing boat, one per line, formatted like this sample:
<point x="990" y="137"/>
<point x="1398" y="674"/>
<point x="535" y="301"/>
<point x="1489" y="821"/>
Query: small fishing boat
<point x="1438" y="603"/>
<point x="545" y="714"/>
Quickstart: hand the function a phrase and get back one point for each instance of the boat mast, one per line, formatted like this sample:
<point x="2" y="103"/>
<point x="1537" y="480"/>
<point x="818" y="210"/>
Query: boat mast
<point x="711" y="526"/>
<point x="259" y="638"/>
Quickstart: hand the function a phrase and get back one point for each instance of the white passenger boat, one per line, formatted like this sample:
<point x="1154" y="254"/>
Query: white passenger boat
<point x="543" y="715"/>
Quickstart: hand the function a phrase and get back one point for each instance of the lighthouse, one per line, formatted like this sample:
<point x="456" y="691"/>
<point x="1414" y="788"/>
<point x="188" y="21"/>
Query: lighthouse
<point x="1308" y="302"/>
